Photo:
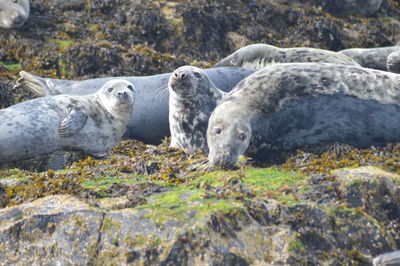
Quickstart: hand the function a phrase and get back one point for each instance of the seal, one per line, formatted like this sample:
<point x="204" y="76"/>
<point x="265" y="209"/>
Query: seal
<point x="192" y="98"/>
<point x="260" y="55"/>
<point x="92" y="123"/>
<point x="287" y="106"/>
<point x="149" y="121"/>
<point x="389" y="258"/>
<point x="393" y="62"/>
<point x="375" y="58"/>
<point x="13" y="13"/>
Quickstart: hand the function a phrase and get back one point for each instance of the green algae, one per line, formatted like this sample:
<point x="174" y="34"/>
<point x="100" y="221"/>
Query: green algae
<point x="11" y="66"/>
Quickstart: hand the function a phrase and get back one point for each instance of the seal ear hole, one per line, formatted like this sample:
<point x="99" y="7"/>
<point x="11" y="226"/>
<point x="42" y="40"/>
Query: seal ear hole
<point x="110" y="89"/>
<point x="130" y="87"/>
<point x="217" y="130"/>
<point x="197" y="74"/>
<point x="242" y="136"/>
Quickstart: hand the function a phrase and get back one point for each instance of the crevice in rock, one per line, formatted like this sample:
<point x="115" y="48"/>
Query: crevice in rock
<point x="92" y="261"/>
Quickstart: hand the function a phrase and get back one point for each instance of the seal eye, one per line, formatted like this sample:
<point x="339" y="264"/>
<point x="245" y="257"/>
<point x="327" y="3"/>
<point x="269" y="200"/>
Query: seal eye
<point x="130" y="87"/>
<point x="217" y="130"/>
<point x="110" y="89"/>
<point x="197" y="74"/>
<point x="15" y="1"/>
<point x="242" y="136"/>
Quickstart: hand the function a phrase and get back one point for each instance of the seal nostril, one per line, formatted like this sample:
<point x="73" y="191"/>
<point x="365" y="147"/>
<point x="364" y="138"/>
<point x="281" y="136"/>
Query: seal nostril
<point x="176" y="74"/>
<point x="183" y="75"/>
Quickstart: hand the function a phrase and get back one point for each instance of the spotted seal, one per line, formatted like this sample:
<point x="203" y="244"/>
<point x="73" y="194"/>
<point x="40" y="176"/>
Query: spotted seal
<point x="149" y="121"/>
<point x="192" y="98"/>
<point x="13" y="13"/>
<point x="287" y="106"/>
<point x="375" y="58"/>
<point x="92" y="123"/>
<point x="260" y="55"/>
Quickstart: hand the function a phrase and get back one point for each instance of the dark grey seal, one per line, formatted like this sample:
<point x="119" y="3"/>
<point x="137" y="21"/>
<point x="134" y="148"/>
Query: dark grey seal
<point x="260" y="55"/>
<point x="149" y="121"/>
<point x="287" y="106"/>
<point x="375" y="58"/>
<point x="192" y="98"/>
<point x="13" y="13"/>
<point x="91" y="123"/>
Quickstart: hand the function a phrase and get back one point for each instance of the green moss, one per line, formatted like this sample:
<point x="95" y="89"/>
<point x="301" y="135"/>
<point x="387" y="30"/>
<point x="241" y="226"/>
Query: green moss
<point x="296" y="246"/>
<point x="62" y="44"/>
<point x="184" y="205"/>
<point x="104" y="183"/>
<point x="11" y="66"/>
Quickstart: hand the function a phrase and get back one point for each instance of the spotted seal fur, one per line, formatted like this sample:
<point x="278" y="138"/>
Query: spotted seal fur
<point x="287" y="106"/>
<point x="149" y="120"/>
<point x="260" y="55"/>
<point x="91" y="123"/>
<point x="13" y="13"/>
<point x="192" y="98"/>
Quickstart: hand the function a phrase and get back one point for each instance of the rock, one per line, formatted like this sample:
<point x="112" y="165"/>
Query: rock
<point x="348" y="7"/>
<point x="181" y="228"/>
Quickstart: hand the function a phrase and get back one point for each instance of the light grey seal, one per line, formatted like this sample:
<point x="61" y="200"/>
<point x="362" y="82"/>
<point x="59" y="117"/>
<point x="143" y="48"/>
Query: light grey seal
<point x="260" y="55"/>
<point x="92" y="123"/>
<point x="13" y="13"/>
<point x="375" y="58"/>
<point x="149" y="121"/>
<point x="192" y="98"/>
<point x="387" y="259"/>
<point x="287" y="106"/>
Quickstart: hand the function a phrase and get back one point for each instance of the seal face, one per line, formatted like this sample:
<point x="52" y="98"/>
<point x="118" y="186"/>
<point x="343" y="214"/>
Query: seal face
<point x="260" y="55"/>
<point x="193" y="97"/>
<point x="92" y="123"/>
<point x="287" y="106"/>
<point x="13" y="13"/>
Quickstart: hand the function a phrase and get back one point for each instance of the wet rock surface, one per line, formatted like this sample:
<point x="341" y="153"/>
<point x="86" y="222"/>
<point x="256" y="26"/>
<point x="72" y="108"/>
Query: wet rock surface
<point x="146" y="204"/>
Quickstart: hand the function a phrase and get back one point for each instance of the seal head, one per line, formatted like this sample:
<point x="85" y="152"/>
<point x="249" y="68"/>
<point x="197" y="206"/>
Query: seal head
<point x="193" y="97"/>
<point x="13" y="13"/>
<point x="226" y="138"/>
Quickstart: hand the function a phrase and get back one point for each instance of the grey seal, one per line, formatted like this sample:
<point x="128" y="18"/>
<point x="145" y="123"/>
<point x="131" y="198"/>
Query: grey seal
<point x="375" y="58"/>
<point x="91" y="123"/>
<point x="13" y="13"/>
<point x="287" y="106"/>
<point x="260" y="55"/>
<point x="149" y="121"/>
<point x="192" y="98"/>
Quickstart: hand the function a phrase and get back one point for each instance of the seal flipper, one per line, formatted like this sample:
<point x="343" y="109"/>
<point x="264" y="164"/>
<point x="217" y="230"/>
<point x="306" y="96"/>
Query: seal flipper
<point x="72" y="123"/>
<point x="37" y="85"/>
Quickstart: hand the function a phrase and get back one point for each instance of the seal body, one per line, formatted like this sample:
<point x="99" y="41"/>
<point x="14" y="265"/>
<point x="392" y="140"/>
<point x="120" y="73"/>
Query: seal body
<point x="13" y="13"/>
<point x="149" y="121"/>
<point x="192" y="98"/>
<point x="260" y="55"/>
<point x="92" y="123"/>
<point x="375" y="58"/>
<point x="287" y="106"/>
